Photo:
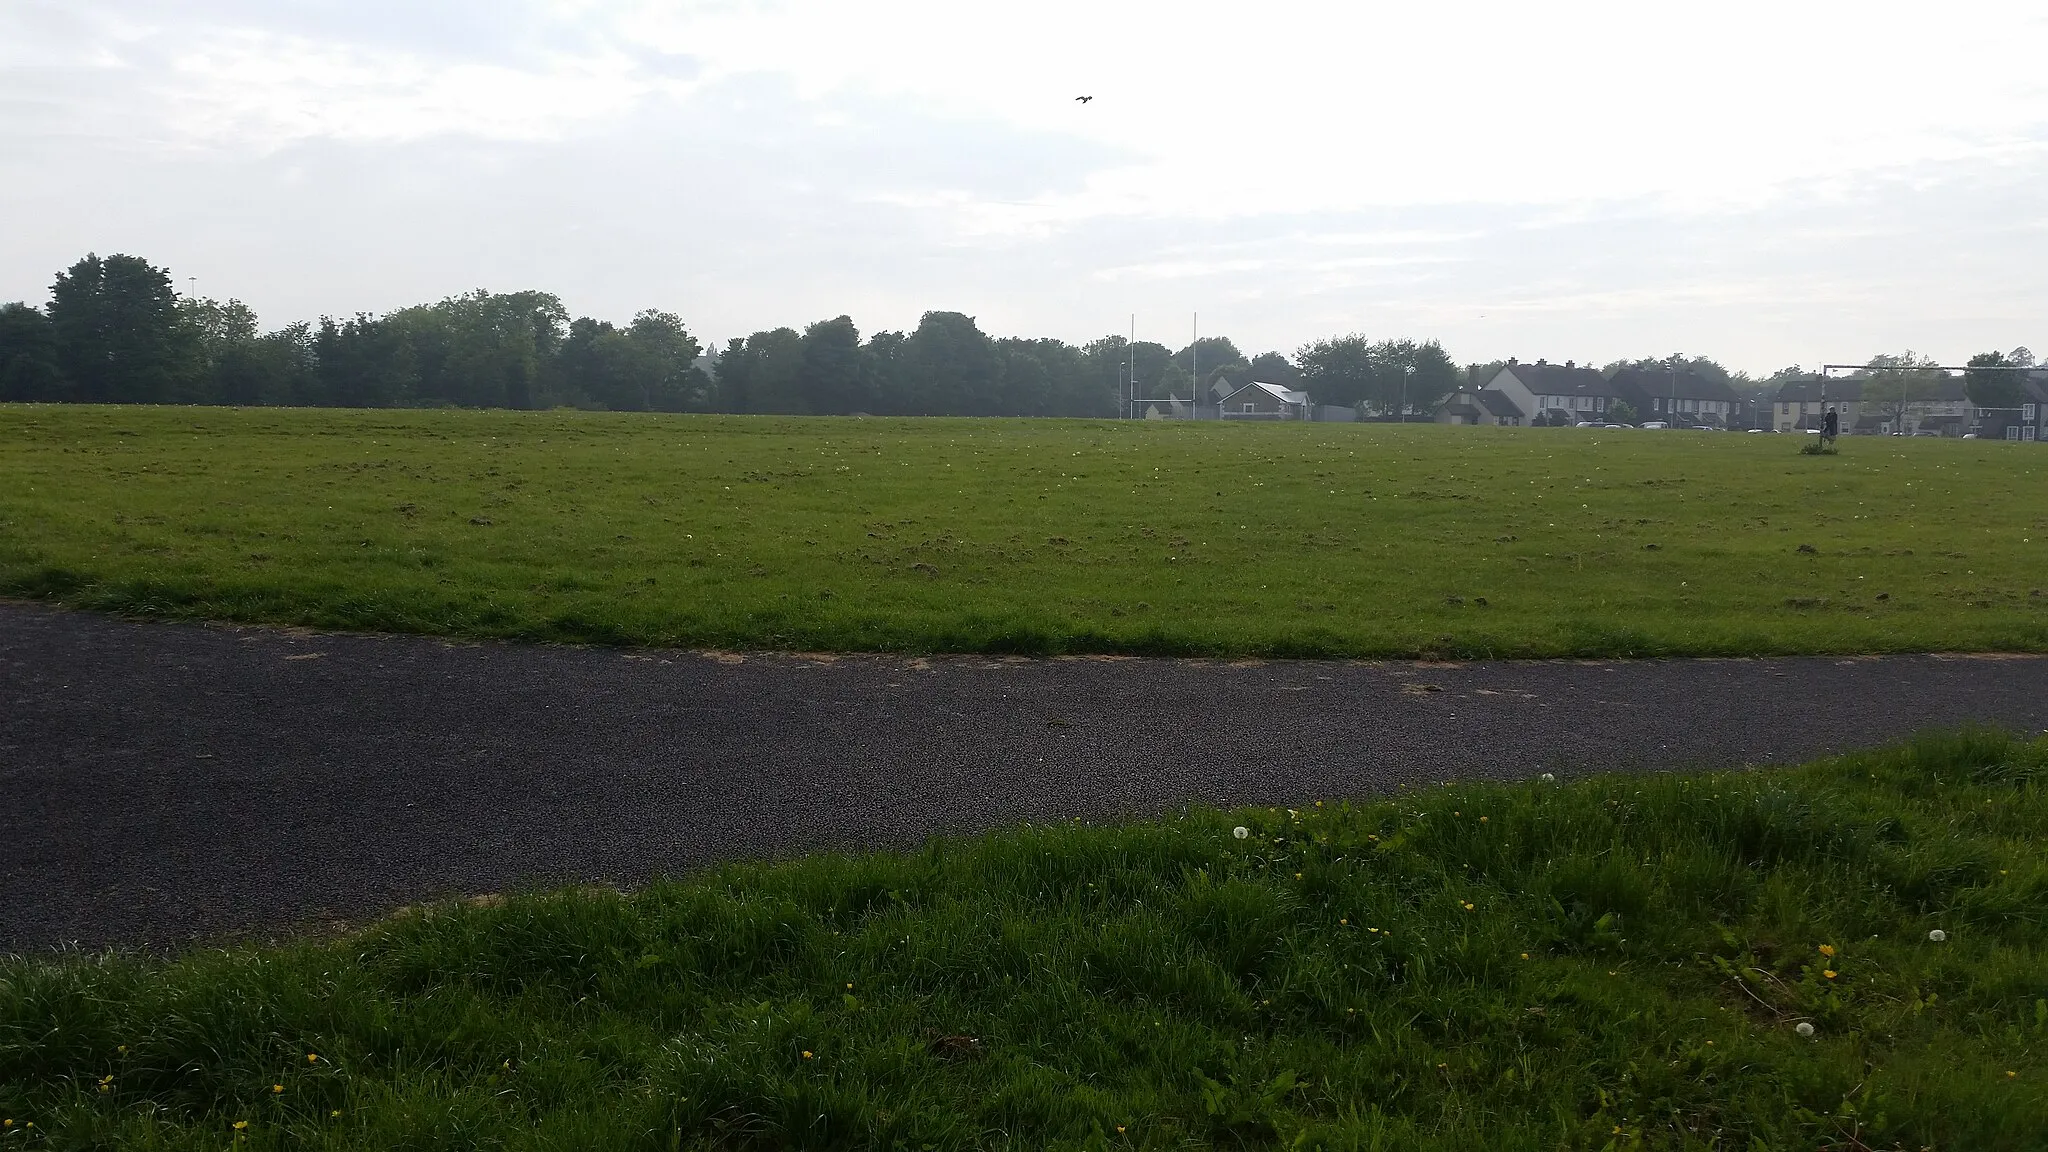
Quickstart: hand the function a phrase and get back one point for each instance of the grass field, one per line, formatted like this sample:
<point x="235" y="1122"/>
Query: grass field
<point x="1028" y="536"/>
<point x="1617" y="962"/>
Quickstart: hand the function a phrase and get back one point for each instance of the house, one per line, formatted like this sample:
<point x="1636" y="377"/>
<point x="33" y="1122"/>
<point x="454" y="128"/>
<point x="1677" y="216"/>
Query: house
<point x="1480" y="406"/>
<point x="2028" y="422"/>
<point x="1942" y="406"/>
<point x="1685" y="398"/>
<point x="1803" y="404"/>
<point x="1259" y="400"/>
<point x="1555" y="393"/>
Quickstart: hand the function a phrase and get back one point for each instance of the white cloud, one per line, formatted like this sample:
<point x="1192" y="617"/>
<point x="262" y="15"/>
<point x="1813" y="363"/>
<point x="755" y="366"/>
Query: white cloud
<point x="1497" y="174"/>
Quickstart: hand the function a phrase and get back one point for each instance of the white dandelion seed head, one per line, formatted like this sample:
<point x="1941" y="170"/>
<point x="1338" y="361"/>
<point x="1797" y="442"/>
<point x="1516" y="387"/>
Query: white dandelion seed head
<point x="1240" y="831"/>
<point x="1804" y="1029"/>
<point x="1548" y="778"/>
<point x="1936" y="935"/>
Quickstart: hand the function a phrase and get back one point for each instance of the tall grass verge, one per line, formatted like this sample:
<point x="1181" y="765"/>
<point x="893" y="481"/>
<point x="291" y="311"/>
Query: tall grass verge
<point x="1617" y="962"/>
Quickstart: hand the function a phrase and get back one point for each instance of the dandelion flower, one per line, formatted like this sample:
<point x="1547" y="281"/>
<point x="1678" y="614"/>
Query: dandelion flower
<point x="1803" y="1028"/>
<point x="1525" y="955"/>
<point x="807" y="1053"/>
<point x="1547" y="778"/>
<point x="312" y="1057"/>
<point x="334" y="1115"/>
<point x="123" y="1049"/>
<point x="1482" y="819"/>
<point x="1297" y="875"/>
<point x="1240" y="831"/>
<point x="241" y="1124"/>
<point x="1936" y="935"/>
<point x="1827" y="949"/>
<point x="276" y="1088"/>
<point x="2010" y="1074"/>
<point x="1343" y="921"/>
<point x="1119" y="1129"/>
<point x="1468" y="907"/>
<point x="1828" y="972"/>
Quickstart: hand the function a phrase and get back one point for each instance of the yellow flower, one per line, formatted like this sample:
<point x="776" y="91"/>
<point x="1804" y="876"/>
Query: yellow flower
<point x="334" y="1115"/>
<point x="1827" y="949"/>
<point x="1119" y="1129"/>
<point x="1482" y="819"/>
<point x="807" y="1053"/>
<point x="2010" y="1075"/>
<point x="1343" y="921"/>
<point x="123" y="1049"/>
<point x="241" y="1124"/>
<point x="1468" y="907"/>
<point x="1525" y="955"/>
<point x="276" y="1088"/>
<point x="312" y="1057"/>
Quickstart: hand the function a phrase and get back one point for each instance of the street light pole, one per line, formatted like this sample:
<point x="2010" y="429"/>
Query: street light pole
<point x="1407" y="370"/>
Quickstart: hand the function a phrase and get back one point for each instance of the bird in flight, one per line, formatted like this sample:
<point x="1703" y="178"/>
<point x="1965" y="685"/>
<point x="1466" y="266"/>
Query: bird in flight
<point x="1084" y="99"/>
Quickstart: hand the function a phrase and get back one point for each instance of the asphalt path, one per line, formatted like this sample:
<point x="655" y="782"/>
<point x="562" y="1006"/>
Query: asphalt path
<point x="162" y="784"/>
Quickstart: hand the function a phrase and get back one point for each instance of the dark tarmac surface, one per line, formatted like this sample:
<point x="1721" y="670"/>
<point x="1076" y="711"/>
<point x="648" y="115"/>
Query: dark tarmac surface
<point x="165" y="783"/>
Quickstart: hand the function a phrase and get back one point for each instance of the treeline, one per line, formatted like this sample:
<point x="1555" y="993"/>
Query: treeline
<point x="116" y="331"/>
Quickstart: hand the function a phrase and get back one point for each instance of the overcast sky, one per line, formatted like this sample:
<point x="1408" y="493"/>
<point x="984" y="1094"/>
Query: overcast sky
<point x="1769" y="182"/>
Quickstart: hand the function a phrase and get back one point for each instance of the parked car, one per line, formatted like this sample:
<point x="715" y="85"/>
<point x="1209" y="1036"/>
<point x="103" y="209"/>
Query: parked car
<point x="1650" y="424"/>
<point x="1585" y="424"/>
<point x="1754" y="431"/>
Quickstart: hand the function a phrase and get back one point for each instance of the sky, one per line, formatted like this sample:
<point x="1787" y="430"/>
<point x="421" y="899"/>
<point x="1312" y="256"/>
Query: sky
<point x="1767" y="183"/>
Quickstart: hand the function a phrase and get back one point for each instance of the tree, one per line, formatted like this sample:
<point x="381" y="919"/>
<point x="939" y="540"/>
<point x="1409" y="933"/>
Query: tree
<point x="120" y="336"/>
<point x="363" y="362"/>
<point x="28" y="356"/>
<point x="1621" y="412"/>
<point x="1274" y="368"/>
<point x="831" y="379"/>
<point x="1994" y="381"/>
<point x="951" y="368"/>
<point x="1892" y="382"/>
<point x="1337" y="370"/>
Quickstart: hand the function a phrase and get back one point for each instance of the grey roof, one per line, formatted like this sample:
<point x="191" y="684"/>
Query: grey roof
<point x="1284" y="395"/>
<point x="1686" y="385"/>
<point x="1545" y="379"/>
<point x="1498" y="403"/>
<point x="1810" y="391"/>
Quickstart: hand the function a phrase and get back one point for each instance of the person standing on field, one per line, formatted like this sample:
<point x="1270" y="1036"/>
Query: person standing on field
<point x="1830" y="427"/>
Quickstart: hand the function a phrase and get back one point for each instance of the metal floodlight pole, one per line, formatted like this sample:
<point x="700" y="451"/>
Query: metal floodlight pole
<point x="1131" y="350"/>
<point x="1401" y="416"/>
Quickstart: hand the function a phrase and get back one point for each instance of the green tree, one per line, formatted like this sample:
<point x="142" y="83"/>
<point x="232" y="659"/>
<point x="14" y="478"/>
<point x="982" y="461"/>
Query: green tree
<point x="951" y="368"/>
<point x="1274" y="368"/>
<point x="831" y="379"/>
<point x="120" y="336"/>
<point x="1622" y="412"/>
<point x="1892" y="382"/>
<point x="362" y="362"/>
<point x="28" y="356"/>
<point x="1994" y="381"/>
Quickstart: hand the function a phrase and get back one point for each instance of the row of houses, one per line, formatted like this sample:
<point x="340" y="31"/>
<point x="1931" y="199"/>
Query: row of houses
<point x="1560" y="394"/>
<point x="1937" y="408"/>
<point x="1546" y="393"/>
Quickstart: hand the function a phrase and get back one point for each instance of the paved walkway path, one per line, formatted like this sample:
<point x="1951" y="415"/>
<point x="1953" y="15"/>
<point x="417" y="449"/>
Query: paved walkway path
<point x="161" y="782"/>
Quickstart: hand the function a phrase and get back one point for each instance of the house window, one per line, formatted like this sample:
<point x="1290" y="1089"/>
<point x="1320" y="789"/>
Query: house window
<point x="2027" y="433"/>
<point x="1599" y="403"/>
<point x="2027" y="413"/>
<point x="1250" y="407"/>
<point x="2012" y="432"/>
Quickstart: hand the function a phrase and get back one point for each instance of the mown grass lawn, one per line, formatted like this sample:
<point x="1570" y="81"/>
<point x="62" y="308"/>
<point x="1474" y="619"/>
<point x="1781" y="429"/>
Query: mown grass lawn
<point x="1028" y="536"/>
<point x="1618" y="962"/>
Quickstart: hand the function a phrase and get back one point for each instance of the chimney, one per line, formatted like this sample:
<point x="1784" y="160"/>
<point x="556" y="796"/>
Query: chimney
<point x="1570" y="364"/>
<point x="1542" y="363"/>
